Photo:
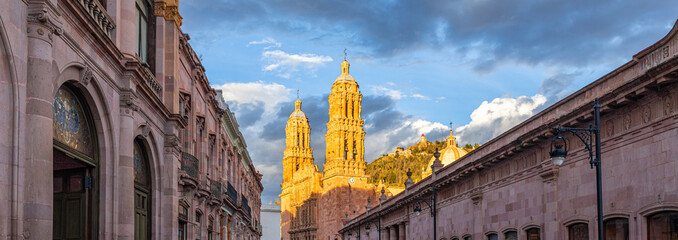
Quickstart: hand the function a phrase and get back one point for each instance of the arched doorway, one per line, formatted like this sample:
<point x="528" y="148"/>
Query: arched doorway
<point x="142" y="192"/>
<point x="75" y="167"/>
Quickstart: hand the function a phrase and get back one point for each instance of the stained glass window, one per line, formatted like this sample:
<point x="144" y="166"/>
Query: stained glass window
<point x="70" y="122"/>
<point x="140" y="165"/>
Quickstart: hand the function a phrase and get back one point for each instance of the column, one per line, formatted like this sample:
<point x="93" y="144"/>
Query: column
<point x="401" y="231"/>
<point x="38" y="168"/>
<point x="392" y="233"/>
<point x="125" y="171"/>
<point x="168" y="180"/>
<point x="385" y="233"/>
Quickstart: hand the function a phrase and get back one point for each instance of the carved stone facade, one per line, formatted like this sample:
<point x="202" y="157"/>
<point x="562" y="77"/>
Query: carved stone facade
<point x="509" y="188"/>
<point x="314" y="203"/>
<point x="140" y="146"/>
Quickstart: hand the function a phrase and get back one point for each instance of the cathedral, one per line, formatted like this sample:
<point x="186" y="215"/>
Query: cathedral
<point x="313" y="202"/>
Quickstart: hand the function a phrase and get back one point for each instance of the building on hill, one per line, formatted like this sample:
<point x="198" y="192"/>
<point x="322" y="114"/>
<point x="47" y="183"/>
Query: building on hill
<point x="423" y="139"/>
<point x="313" y="203"/>
<point x="509" y="188"/>
<point x="448" y="155"/>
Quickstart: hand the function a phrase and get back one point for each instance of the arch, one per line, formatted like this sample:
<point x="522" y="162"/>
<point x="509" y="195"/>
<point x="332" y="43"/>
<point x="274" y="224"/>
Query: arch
<point x="7" y="63"/>
<point x="76" y="159"/>
<point x="143" y="191"/>
<point x="99" y="109"/>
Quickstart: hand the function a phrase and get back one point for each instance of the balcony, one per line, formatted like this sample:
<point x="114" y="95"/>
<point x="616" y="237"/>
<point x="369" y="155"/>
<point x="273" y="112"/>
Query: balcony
<point x="189" y="164"/>
<point x="97" y="14"/>
<point x="216" y="188"/>
<point x="245" y="205"/>
<point x="232" y="193"/>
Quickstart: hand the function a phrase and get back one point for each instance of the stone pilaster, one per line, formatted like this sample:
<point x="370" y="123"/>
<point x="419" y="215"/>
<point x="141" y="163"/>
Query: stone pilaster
<point x="401" y="231"/>
<point x="392" y="233"/>
<point x="38" y="199"/>
<point x="169" y="179"/>
<point x="125" y="179"/>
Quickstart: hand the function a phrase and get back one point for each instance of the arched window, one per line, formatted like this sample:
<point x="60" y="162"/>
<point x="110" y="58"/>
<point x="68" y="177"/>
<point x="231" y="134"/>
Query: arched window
<point x="616" y="229"/>
<point x="210" y="228"/>
<point x="511" y="235"/>
<point x="533" y="234"/>
<point x="663" y="225"/>
<point x="492" y="236"/>
<point x="578" y="231"/>
<point x="468" y="237"/>
<point x="183" y="221"/>
<point x="75" y="166"/>
<point x="142" y="192"/>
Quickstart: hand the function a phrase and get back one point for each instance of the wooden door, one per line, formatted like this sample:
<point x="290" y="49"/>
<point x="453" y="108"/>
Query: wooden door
<point x="141" y="216"/>
<point x="69" y="205"/>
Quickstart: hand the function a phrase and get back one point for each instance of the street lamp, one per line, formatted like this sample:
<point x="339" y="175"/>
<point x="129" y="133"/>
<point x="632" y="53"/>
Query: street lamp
<point x="430" y="201"/>
<point x="587" y="136"/>
<point x="377" y="223"/>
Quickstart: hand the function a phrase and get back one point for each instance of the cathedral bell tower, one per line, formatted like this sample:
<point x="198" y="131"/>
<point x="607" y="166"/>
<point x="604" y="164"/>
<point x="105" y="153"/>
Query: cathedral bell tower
<point x="298" y="152"/>
<point x="345" y="136"/>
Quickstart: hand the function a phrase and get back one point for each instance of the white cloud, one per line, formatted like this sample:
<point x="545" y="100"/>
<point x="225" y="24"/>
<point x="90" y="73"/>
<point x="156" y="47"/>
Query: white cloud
<point x="419" y="96"/>
<point x="395" y="94"/>
<point x="266" y="41"/>
<point x="259" y="92"/>
<point x="286" y="64"/>
<point x="493" y="118"/>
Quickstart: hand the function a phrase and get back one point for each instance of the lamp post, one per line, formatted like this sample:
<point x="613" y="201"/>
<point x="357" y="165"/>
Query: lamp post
<point x="431" y="203"/>
<point x="587" y="136"/>
<point x="377" y="223"/>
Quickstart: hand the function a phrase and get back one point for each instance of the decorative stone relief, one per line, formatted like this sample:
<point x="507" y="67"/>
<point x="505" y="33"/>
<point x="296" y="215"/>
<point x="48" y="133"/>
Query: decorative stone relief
<point x="668" y="104"/>
<point x="609" y="128"/>
<point x="145" y="130"/>
<point x="627" y="121"/>
<point x="647" y="114"/>
<point x="86" y="76"/>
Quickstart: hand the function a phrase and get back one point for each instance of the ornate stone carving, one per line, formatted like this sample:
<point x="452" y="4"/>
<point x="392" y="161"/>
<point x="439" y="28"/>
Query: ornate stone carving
<point x="609" y="128"/>
<point x="647" y="114"/>
<point x="667" y="103"/>
<point x="43" y="22"/>
<point x="145" y="130"/>
<point x="626" y="123"/>
<point x="201" y="123"/>
<point x="86" y="76"/>
<point x="127" y="102"/>
<point x="168" y="12"/>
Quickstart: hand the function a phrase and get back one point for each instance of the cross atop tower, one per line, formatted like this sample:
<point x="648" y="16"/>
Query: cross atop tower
<point x="297" y="93"/>
<point x="344" y="54"/>
<point x="450" y="125"/>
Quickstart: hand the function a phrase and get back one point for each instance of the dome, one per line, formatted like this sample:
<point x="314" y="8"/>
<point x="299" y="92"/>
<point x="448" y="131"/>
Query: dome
<point x="448" y="155"/>
<point x="297" y="110"/>
<point x="344" y="77"/>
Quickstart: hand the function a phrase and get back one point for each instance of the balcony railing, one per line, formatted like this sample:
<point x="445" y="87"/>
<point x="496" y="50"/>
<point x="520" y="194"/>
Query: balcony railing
<point x="245" y="205"/>
<point x="216" y="188"/>
<point x="189" y="164"/>
<point x="98" y="14"/>
<point x="232" y="193"/>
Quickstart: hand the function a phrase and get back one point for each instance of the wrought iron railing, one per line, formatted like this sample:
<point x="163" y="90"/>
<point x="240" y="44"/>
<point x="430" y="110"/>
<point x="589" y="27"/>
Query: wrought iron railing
<point x="216" y="188"/>
<point x="189" y="164"/>
<point x="232" y="193"/>
<point x="98" y="14"/>
<point x="245" y="205"/>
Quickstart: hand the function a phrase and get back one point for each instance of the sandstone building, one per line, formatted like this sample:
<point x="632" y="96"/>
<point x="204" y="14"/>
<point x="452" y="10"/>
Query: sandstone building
<point x="314" y="202"/>
<point x="110" y="129"/>
<point x="509" y="188"/>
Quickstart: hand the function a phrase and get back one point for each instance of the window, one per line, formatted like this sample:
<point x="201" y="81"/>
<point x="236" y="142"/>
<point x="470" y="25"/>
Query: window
<point x="616" y="229"/>
<point x="492" y="236"/>
<point x="511" y="235"/>
<point x="142" y="30"/>
<point x="183" y="219"/>
<point x="198" y="223"/>
<point x="578" y="231"/>
<point x="210" y="229"/>
<point x="663" y="226"/>
<point x="533" y="234"/>
<point x="468" y="237"/>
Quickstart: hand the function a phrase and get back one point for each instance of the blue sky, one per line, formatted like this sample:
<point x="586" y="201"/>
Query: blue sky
<point x="483" y="65"/>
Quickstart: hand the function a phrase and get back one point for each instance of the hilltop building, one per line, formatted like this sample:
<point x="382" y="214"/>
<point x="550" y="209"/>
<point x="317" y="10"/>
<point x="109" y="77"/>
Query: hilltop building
<point x="313" y="202"/>
<point x="448" y="155"/>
